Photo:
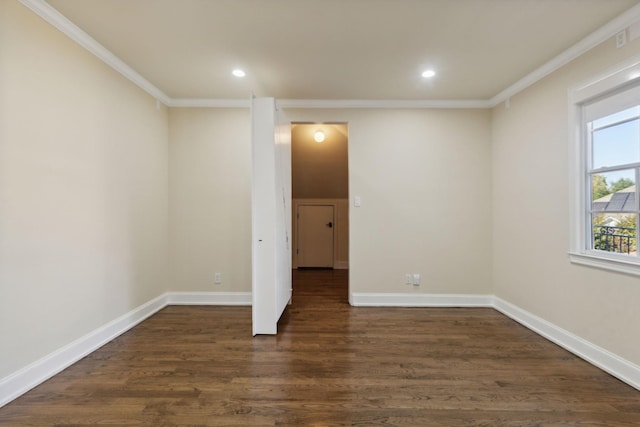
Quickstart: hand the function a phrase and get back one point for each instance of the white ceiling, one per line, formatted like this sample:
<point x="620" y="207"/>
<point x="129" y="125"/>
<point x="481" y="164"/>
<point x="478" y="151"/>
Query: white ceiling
<point x="338" y="49"/>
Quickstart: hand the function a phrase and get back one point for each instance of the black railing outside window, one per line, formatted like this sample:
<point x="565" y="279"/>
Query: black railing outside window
<point x="614" y="239"/>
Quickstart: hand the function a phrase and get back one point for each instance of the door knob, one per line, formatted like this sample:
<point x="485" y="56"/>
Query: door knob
<point x="330" y="224"/>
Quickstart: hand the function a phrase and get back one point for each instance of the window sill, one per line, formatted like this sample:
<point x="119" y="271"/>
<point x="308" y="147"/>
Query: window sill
<point x="626" y="266"/>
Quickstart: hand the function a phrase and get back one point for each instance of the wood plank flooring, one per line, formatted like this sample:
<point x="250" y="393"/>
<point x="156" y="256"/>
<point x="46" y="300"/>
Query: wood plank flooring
<point x="330" y="365"/>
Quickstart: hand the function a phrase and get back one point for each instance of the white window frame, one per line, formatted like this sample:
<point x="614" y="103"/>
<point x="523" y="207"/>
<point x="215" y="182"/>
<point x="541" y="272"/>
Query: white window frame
<point x="614" y="80"/>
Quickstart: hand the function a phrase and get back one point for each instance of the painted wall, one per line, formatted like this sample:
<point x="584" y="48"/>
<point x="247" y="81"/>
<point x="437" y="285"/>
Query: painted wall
<point x="210" y="199"/>
<point x="531" y="215"/>
<point x="83" y="191"/>
<point x="424" y="177"/>
<point x="319" y="170"/>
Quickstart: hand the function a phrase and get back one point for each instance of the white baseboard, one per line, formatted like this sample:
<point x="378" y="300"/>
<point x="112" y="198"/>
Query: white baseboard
<point x="41" y="370"/>
<point x="341" y="265"/>
<point x="615" y="365"/>
<point x="209" y="298"/>
<point x="419" y="300"/>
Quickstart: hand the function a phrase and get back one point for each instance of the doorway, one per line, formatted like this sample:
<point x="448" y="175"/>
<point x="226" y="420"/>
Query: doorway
<point x="320" y="197"/>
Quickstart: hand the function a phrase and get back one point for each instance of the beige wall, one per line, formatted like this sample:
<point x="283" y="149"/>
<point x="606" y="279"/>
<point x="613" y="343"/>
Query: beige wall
<point x="83" y="191"/>
<point x="210" y="199"/>
<point x="319" y="170"/>
<point x="424" y="177"/>
<point x="531" y="216"/>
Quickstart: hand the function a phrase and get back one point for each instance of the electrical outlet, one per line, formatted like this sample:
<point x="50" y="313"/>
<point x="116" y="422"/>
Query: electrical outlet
<point x="621" y="38"/>
<point x="416" y="279"/>
<point x="217" y="278"/>
<point x="408" y="279"/>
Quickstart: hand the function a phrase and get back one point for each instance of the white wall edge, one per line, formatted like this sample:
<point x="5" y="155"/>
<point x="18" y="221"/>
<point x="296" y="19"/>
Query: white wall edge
<point x="41" y="370"/>
<point x="611" y="363"/>
<point x="209" y="298"/>
<point x="418" y="300"/>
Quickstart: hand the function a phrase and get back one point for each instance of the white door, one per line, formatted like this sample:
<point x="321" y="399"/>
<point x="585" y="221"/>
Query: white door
<point x="271" y="223"/>
<point x="283" y="212"/>
<point x="315" y="235"/>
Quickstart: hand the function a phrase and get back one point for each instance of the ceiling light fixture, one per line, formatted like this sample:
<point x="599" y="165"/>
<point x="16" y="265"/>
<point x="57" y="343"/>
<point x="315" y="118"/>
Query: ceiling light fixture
<point x="238" y="72"/>
<point x="318" y="136"/>
<point x="428" y="74"/>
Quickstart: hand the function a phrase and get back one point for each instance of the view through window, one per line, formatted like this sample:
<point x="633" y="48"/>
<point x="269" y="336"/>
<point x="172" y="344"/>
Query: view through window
<point x="614" y="167"/>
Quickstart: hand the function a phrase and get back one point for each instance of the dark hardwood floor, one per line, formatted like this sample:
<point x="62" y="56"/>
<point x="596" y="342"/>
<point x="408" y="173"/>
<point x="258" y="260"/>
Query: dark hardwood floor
<point x="331" y="364"/>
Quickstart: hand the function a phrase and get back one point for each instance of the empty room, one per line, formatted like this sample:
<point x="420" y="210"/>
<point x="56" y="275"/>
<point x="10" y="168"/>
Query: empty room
<point x="402" y="213"/>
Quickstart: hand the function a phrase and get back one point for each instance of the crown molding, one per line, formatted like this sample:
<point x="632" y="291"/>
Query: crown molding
<point x="208" y="103"/>
<point x="333" y="103"/>
<point x="602" y="34"/>
<point x="55" y="18"/>
<point x="381" y="103"/>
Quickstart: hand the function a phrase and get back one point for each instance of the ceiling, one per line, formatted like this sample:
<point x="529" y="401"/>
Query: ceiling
<point x="338" y="49"/>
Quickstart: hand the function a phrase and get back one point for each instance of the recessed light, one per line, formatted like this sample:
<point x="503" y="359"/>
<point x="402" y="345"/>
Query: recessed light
<point x="428" y="74"/>
<point x="238" y="73"/>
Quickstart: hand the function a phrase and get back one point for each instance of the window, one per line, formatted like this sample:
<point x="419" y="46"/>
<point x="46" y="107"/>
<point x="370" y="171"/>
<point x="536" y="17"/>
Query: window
<point x="613" y="142"/>
<point x="605" y="156"/>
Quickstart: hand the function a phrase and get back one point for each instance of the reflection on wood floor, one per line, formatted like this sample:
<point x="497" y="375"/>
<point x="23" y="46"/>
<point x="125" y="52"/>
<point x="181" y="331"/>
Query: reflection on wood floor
<point x="331" y="364"/>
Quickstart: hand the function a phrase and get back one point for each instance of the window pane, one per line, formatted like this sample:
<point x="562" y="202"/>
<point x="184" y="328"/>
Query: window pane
<point x="620" y="116"/>
<point x="614" y="232"/>
<point x="616" y="145"/>
<point x="614" y="191"/>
